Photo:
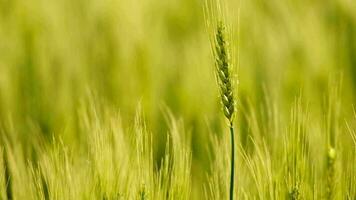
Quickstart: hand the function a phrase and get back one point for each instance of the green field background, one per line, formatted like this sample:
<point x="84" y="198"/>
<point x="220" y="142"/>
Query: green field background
<point x="60" y="60"/>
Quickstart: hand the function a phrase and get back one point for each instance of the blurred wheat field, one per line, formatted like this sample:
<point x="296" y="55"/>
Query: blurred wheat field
<point x="117" y="99"/>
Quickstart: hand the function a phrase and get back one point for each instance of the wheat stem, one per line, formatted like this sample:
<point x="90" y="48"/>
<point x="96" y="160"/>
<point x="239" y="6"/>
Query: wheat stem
<point x="232" y="173"/>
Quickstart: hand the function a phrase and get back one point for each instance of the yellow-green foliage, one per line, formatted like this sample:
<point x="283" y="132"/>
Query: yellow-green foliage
<point x="117" y="99"/>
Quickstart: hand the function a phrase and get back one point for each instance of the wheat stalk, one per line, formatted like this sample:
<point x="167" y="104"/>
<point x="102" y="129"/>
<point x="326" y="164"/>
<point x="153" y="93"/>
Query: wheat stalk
<point x="226" y="92"/>
<point x="222" y="52"/>
<point x="330" y="173"/>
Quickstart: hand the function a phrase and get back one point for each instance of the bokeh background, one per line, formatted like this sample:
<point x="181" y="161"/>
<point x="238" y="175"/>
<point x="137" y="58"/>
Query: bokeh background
<point x="156" y="53"/>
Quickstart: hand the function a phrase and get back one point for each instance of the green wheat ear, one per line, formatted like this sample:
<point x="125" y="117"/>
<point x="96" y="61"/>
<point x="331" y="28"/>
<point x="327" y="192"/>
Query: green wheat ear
<point x="224" y="72"/>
